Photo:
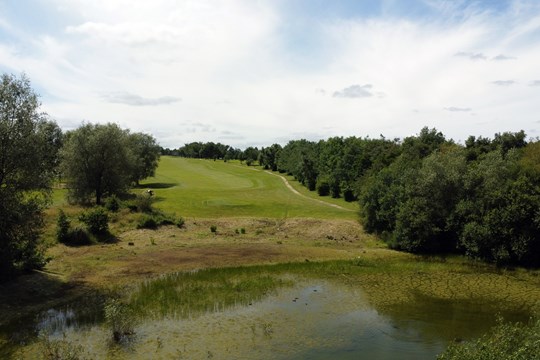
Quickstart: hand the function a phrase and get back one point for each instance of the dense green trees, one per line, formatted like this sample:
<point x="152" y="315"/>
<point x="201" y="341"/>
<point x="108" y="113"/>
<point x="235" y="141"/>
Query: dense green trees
<point x="482" y="199"/>
<point x="28" y="154"/>
<point x="104" y="160"/>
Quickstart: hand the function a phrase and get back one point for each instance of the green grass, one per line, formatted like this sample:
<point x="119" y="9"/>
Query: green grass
<point x="391" y="284"/>
<point x="189" y="293"/>
<point x="210" y="189"/>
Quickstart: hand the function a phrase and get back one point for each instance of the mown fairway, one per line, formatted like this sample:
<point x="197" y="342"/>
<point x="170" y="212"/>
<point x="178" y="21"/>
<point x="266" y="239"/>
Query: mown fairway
<point x="205" y="188"/>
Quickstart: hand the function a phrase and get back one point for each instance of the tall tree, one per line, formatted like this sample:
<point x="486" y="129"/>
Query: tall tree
<point x="28" y="148"/>
<point x="97" y="162"/>
<point x="146" y="155"/>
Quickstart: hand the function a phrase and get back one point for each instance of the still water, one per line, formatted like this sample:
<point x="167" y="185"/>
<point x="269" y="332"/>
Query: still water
<point x="314" y="319"/>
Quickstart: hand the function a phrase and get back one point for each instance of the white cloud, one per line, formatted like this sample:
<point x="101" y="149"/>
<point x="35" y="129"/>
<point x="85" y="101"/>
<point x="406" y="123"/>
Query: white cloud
<point x="504" y="82"/>
<point x="457" y="109"/>
<point x="471" y="55"/>
<point x="502" y="57"/>
<point x="354" y="91"/>
<point x="204" y="51"/>
<point x="137" y="100"/>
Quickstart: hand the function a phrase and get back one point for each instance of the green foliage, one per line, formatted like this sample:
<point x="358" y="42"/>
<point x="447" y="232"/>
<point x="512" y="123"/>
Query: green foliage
<point x="120" y="318"/>
<point x="208" y="150"/>
<point x="143" y="203"/>
<point x="77" y="236"/>
<point x="112" y="203"/>
<point x="268" y="157"/>
<point x="213" y="228"/>
<point x="104" y="160"/>
<point x="96" y="221"/>
<point x="28" y="159"/>
<point x="423" y="220"/>
<point x="242" y="231"/>
<point x="509" y="341"/>
<point x="147" y="222"/>
<point x="484" y="203"/>
<point x="323" y="187"/>
<point x="157" y="219"/>
<point x="145" y="153"/>
<point x="250" y="155"/>
<point x="62" y="226"/>
<point x="381" y="196"/>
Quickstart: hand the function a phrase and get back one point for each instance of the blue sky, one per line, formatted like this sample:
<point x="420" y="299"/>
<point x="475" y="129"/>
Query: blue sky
<point x="246" y="72"/>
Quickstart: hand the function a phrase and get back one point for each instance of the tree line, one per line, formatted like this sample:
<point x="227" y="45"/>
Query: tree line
<point x="95" y="161"/>
<point x="424" y="193"/>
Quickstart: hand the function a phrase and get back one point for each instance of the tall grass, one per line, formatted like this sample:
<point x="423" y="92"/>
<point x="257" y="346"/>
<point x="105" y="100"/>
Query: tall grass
<point x="185" y="294"/>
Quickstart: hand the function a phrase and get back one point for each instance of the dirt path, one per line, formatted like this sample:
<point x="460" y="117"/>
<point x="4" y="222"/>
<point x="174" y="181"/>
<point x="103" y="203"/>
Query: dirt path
<point x="288" y="185"/>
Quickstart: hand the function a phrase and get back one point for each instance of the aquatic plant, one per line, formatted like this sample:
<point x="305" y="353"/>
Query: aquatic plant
<point x="120" y="317"/>
<point x="60" y="349"/>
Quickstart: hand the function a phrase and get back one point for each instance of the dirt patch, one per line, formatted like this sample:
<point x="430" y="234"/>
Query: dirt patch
<point x="236" y="242"/>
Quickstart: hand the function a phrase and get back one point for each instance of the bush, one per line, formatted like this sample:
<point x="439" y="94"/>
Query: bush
<point x="62" y="226"/>
<point x="120" y="318"/>
<point x="213" y="228"/>
<point x="153" y="221"/>
<point x="242" y="231"/>
<point x="144" y="203"/>
<point x="112" y="203"/>
<point x="96" y="221"/>
<point x="348" y="195"/>
<point x="147" y="222"/>
<point x="323" y="188"/>
<point x="78" y="236"/>
<point x="505" y="341"/>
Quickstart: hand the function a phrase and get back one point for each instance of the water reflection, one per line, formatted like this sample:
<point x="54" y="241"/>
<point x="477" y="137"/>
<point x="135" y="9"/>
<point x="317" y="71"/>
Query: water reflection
<point x="316" y="319"/>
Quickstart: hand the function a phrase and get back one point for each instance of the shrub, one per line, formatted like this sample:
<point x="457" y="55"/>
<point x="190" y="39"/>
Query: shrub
<point x="213" y="228"/>
<point x="242" y="231"/>
<point x="112" y="203"/>
<point x="323" y="188"/>
<point x="348" y="195"/>
<point x="132" y="206"/>
<point x="96" y="221"/>
<point x="144" y="203"/>
<point x="147" y="222"/>
<point x="505" y="341"/>
<point x="120" y="318"/>
<point x="180" y="222"/>
<point x="62" y="226"/>
<point x="60" y="349"/>
<point x="155" y="220"/>
<point x="78" y="236"/>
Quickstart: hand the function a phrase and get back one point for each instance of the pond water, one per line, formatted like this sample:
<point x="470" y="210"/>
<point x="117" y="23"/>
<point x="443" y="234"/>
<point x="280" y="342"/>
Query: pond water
<point x="313" y="319"/>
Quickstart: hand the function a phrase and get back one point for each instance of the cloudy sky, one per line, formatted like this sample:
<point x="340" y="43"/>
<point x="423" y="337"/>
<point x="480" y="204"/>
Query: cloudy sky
<point x="256" y="72"/>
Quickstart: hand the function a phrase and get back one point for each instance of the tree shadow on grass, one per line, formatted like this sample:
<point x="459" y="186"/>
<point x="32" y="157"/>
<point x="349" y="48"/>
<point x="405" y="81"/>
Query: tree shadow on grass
<point x="157" y="185"/>
<point x="81" y="237"/>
